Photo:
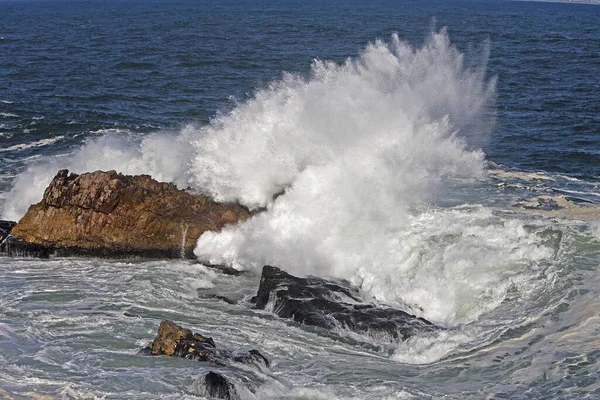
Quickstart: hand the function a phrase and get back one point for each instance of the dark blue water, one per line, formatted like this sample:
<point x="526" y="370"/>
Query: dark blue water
<point x="179" y="88"/>
<point x="85" y="66"/>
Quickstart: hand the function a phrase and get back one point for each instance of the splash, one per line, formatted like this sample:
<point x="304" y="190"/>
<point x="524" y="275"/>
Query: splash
<point x="360" y="151"/>
<point x="349" y="163"/>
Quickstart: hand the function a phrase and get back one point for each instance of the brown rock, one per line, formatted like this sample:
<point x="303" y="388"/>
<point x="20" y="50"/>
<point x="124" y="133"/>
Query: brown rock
<point x="110" y="214"/>
<point x="171" y="335"/>
<point x="175" y="341"/>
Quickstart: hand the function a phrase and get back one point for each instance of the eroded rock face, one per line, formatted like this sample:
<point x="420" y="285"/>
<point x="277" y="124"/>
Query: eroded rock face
<point x="333" y="304"/>
<point x="110" y="214"/>
<point x="175" y="341"/>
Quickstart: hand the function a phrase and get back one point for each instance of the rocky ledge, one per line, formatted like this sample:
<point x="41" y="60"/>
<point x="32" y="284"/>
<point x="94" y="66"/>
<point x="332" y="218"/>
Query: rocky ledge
<point x="108" y="214"/>
<point x="334" y="305"/>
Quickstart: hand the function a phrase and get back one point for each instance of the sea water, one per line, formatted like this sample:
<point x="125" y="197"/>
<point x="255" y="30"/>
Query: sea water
<point x="419" y="150"/>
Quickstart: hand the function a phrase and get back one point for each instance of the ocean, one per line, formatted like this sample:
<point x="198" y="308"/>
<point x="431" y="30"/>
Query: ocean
<point x="442" y="156"/>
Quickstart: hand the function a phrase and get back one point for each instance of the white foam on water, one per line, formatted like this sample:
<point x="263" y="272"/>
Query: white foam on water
<point x="37" y="143"/>
<point x="360" y="151"/>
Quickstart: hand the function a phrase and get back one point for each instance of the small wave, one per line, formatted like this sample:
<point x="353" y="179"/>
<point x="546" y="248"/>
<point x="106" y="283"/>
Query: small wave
<point x="520" y="175"/>
<point x="39" y="143"/>
<point x="109" y="131"/>
<point x="6" y="101"/>
<point x="9" y="115"/>
<point x="560" y="206"/>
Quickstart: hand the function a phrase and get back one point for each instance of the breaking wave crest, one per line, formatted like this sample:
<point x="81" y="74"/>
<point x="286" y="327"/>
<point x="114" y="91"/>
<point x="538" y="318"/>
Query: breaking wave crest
<point x="348" y="163"/>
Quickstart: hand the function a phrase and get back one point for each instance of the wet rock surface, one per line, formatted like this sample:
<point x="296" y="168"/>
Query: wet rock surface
<point x="9" y="246"/>
<point x="5" y="228"/>
<point x="218" y="386"/>
<point x="107" y="214"/>
<point x="333" y="304"/>
<point x="175" y="341"/>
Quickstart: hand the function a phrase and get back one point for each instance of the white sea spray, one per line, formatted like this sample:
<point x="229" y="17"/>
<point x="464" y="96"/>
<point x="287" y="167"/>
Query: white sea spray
<point x="358" y="152"/>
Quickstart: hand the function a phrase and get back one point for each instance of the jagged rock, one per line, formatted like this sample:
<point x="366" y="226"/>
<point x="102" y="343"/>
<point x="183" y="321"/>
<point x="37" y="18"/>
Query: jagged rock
<point x="113" y="215"/>
<point x="333" y="304"/>
<point x="173" y="340"/>
<point x="218" y="386"/>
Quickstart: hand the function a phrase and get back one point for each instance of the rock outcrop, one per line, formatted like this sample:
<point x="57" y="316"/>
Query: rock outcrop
<point x="333" y="305"/>
<point x="114" y="215"/>
<point x="175" y="341"/>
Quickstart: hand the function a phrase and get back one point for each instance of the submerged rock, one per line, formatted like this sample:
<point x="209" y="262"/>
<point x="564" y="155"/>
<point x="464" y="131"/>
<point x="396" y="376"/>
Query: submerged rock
<point x="218" y="386"/>
<point x="108" y="214"/>
<point x="333" y="304"/>
<point x="173" y="340"/>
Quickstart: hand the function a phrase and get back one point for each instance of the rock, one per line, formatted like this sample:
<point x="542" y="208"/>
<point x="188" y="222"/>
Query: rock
<point x="173" y="340"/>
<point x="108" y="214"/>
<point x="218" y="386"/>
<point x="225" y="270"/>
<point x="5" y="228"/>
<point x="333" y="304"/>
<point x="8" y="248"/>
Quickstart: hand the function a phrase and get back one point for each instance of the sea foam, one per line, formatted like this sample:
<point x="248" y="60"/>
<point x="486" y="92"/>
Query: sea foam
<point x="348" y="163"/>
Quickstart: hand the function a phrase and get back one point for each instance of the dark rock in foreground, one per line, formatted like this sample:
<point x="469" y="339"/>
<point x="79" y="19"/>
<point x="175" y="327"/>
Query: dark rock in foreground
<point x="218" y="386"/>
<point x="5" y="228"/>
<point x="333" y="304"/>
<point x="173" y="340"/>
<point x="106" y="214"/>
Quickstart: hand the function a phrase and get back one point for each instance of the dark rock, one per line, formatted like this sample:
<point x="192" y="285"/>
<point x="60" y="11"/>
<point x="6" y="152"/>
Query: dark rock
<point x="216" y="385"/>
<point x="19" y="248"/>
<point x="222" y="298"/>
<point x="5" y="228"/>
<point x="224" y="269"/>
<point x="333" y="304"/>
<point x="106" y="214"/>
<point x="173" y="340"/>
<point x="257" y="356"/>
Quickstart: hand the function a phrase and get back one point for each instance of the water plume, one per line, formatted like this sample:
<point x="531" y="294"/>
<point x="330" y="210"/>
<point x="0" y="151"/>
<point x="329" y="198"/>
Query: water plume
<point x="351" y="164"/>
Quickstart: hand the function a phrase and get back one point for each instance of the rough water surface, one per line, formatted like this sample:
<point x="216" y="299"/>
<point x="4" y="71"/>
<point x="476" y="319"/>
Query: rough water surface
<point x="440" y="157"/>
